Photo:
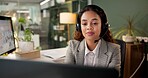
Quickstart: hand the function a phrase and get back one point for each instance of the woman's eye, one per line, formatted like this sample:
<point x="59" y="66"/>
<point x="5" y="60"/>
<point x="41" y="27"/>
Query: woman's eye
<point x="84" y="24"/>
<point x="95" y="23"/>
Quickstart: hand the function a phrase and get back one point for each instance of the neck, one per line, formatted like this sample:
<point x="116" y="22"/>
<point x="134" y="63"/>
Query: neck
<point x="91" y="45"/>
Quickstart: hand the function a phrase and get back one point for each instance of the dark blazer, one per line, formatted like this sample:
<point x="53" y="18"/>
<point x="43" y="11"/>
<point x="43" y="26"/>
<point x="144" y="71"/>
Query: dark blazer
<point x="109" y="55"/>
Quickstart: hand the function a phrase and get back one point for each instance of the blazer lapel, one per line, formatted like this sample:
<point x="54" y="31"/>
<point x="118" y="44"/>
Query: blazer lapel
<point x="80" y="53"/>
<point x="102" y="54"/>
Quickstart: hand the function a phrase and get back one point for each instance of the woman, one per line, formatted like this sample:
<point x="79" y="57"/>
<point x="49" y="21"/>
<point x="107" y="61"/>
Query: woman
<point x="93" y="44"/>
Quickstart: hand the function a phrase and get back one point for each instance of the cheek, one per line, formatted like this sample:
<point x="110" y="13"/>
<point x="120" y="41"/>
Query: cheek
<point x="83" y="31"/>
<point x="98" y="30"/>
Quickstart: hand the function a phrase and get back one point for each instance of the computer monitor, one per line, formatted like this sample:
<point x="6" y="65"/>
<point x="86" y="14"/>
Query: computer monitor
<point x="7" y="41"/>
<point x="35" y="69"/>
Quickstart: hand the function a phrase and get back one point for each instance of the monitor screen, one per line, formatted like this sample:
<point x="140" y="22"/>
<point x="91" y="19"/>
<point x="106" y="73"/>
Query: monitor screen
<point x="35" y="69"/>
<point x="7" y="41"/>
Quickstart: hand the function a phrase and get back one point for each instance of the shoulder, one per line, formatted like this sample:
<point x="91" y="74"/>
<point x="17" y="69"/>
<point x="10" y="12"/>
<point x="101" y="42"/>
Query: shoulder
<point x="73" y="43"/>
<point x="113" y="45"/>
<point x="110" y="44"/>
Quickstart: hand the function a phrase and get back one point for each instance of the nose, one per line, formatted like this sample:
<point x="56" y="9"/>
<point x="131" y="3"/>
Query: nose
<point x="89" y="27"/>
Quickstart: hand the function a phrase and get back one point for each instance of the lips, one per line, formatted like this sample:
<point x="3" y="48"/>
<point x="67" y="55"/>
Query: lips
<point x="90" y="33"/>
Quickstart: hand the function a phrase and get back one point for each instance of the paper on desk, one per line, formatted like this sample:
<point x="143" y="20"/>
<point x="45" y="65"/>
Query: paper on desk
<point x="55" y="53"/>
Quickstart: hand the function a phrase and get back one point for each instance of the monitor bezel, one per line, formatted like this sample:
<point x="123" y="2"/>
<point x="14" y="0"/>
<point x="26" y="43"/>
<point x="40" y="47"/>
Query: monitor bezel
<point x="9" y="18"/>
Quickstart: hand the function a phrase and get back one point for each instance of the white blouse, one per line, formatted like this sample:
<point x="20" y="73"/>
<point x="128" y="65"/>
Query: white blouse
<point x="91" y="56"/>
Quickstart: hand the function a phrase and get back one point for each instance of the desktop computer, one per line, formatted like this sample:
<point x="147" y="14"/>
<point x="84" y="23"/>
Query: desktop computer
<point x="35" y="69"/>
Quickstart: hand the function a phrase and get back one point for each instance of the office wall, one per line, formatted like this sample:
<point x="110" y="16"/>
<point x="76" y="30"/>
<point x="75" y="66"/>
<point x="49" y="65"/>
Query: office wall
<point x="118" y="11"/>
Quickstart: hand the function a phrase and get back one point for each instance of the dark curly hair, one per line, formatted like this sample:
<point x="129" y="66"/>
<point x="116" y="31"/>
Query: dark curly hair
<point x="105" y="34"/>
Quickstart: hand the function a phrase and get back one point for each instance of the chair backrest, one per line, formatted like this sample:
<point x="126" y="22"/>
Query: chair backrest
<point x="123" y="51"/>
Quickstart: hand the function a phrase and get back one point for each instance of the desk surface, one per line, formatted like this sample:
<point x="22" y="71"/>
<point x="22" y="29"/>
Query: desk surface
<point x="52" y="55"/>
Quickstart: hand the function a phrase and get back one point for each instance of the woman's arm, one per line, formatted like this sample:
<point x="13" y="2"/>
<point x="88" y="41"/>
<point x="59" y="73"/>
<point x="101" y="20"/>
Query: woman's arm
<point x="70" y="59"/>
<point x="116" y="59"/>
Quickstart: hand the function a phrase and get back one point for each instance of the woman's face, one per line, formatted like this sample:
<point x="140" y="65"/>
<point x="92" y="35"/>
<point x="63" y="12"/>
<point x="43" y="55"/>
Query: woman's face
<point x="90" y="25"/>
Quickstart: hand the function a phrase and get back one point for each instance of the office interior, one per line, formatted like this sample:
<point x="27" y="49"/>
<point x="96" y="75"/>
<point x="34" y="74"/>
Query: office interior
<point x="43" y="18"/>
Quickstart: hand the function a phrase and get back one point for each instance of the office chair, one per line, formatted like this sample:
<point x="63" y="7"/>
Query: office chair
<point x="123" y="51"/>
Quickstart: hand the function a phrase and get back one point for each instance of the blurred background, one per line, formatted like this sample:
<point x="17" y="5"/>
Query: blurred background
<point x="43" y="17"/>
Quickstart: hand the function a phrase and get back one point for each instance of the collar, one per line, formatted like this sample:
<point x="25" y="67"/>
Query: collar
<point x="95" y="50"/>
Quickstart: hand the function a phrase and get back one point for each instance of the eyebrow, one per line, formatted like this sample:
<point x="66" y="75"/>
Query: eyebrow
<point x="84" y="20"/>
<point x="92" y="19"/>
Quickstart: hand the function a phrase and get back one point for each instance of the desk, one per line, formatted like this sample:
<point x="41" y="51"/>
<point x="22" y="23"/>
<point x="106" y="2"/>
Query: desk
<point x="133" y="58"/>
<point x="52" y="55"/>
